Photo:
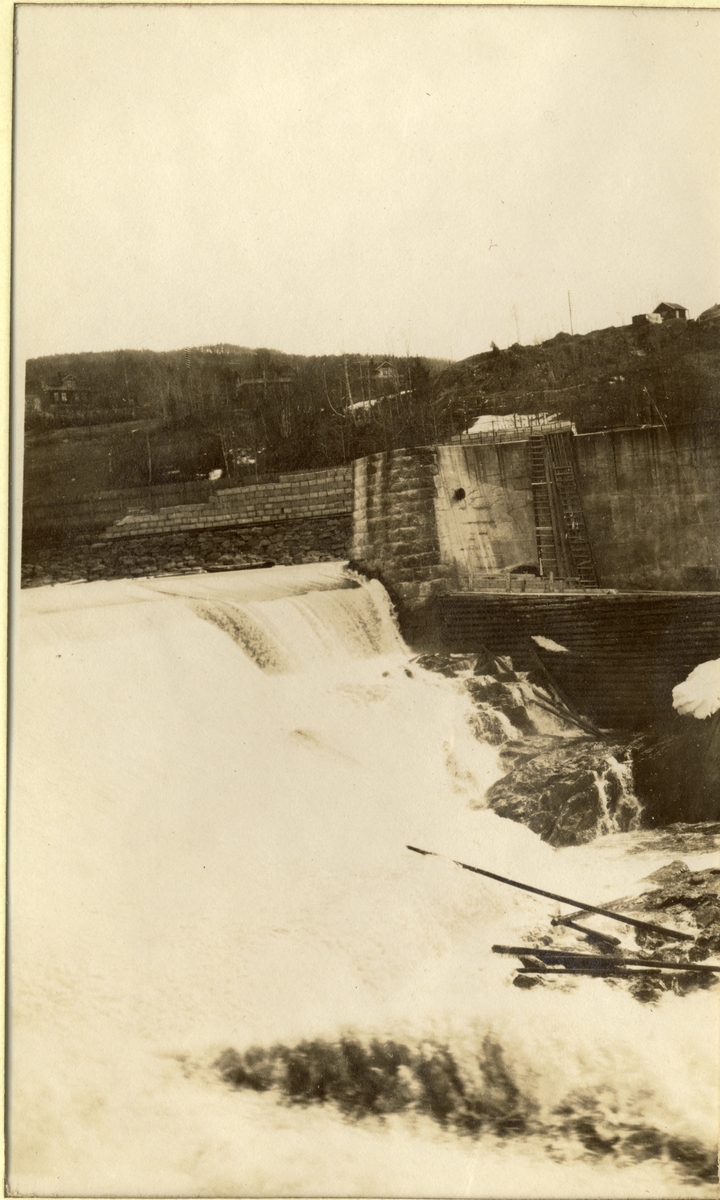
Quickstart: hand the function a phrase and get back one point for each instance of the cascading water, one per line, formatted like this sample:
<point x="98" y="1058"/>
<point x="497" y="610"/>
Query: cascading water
<point x="215" y="923"/>
<point x="615" y="791"/>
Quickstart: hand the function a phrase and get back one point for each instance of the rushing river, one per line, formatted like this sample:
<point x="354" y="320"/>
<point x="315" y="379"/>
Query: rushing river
<point x="214" y="781"/>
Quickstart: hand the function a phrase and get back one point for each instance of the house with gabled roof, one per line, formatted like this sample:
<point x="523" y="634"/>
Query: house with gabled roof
<point x="671" y="312"/>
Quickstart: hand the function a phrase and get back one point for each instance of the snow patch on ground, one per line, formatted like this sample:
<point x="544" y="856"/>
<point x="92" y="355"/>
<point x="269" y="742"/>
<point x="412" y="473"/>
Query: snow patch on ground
<point x="549" y="644"/>
<point x="699" y="695"/>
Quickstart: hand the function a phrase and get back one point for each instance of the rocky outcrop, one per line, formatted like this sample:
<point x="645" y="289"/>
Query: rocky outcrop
<point x="677" y="774"/>
<point x="564" y="780"/>
<point x="617" y="376"/>
<point x="568" y="793"/>
<point x="322" y="540"/>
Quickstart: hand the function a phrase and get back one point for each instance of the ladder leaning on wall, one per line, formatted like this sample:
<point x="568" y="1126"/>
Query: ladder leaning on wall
<point x="564" y="548"/>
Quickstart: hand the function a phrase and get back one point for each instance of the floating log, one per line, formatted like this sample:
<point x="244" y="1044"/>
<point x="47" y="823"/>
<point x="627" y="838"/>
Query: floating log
<point x="526" y="887"/>
<point x="599" y="961"/>
<point x="600" y="972"/>
<point x="591" y="934"/>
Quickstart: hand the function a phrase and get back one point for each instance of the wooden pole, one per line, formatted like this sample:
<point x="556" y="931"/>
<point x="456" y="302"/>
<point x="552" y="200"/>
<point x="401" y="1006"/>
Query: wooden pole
<point x="526" y="887"/>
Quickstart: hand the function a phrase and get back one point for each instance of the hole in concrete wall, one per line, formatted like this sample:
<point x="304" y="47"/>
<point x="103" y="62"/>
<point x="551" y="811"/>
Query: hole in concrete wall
<point x="459" y="494"/>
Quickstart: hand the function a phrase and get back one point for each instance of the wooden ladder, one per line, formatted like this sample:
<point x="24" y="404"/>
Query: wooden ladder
<point x="545" y="531"/>
<point x="560" y="453"/>
<point x="553" y="463"/>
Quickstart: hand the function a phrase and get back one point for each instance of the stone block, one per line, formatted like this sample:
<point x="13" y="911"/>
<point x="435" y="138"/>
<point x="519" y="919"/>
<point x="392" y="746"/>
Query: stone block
<point x="434" y="587"/>
<point x="407" y="591"/>
<point x="418" y="545"/>
<point x="427" y="558"/>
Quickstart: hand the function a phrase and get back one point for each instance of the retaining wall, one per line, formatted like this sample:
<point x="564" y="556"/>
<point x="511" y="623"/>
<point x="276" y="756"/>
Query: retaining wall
<point x="456" y="517"/>
<point x="394" y="530"/>
<point x="625" y="652"/>
<point x="163" y="509"/>
<point x="308" y="494"/>
<point x="70" y="516"/>
<point x="651" y="499"/>
<point x="320" y="539"/>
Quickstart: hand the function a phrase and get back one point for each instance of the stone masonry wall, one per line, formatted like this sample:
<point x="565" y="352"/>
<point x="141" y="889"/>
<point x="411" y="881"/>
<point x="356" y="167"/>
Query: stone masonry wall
<point x="304" y="495"/>
<point x="454" y="518"/>
<point x="394" y="528"/>
<point x="308" y="540"/>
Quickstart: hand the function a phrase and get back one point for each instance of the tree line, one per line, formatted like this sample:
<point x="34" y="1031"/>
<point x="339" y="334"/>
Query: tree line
<point x="270" y="411"/>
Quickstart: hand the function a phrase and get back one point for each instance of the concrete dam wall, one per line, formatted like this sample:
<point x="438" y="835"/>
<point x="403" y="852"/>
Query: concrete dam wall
<point x="607" y="544"/>
<point x="651" y="505"/>
<point x="464" y="517"/>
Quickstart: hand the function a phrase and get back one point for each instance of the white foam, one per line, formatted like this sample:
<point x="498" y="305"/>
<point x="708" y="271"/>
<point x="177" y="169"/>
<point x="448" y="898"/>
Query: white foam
<point x="207" y="854"/>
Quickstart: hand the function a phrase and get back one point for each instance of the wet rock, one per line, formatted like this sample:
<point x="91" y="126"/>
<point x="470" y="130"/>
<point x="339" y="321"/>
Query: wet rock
<point x="685" y="900"/>
<point x="693" y="895"/>
<point x="677" y="774"/>
<point x="488" y="691"/>
<point x="527" y="981"/>
<point x="60" y="559"/>
<point x="449" y="665"/>
<point x="526" y="707"/>
<point x="568" y="794"/>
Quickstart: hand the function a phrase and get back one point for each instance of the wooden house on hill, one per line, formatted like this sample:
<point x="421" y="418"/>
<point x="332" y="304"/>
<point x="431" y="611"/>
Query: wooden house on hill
<point x="385" y="371"/>
<point x="65" y="390"/>
<point x="672" y="312"/>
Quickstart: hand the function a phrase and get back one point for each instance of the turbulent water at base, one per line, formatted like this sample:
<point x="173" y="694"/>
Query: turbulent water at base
<point x="214" y="782"/>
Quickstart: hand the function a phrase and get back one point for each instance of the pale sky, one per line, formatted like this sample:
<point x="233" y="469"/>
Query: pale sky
<point x="380" y="180"/>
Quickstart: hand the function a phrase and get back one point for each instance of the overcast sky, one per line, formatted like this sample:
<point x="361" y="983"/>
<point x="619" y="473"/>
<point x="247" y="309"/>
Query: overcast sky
<point x="382" y="180"/>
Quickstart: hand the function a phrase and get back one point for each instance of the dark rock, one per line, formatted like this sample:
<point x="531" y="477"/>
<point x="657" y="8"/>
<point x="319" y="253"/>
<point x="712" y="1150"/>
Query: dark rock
<point x="302" y="540"/>
<point x="570" y="793"/>
<point x="677" y="774"/>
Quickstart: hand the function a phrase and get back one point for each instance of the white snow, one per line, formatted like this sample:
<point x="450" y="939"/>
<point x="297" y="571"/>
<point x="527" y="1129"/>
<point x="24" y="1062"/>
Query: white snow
<point x="549" y="644"/>
<point x="493" y="423"/>
<point x="699" y="695"/>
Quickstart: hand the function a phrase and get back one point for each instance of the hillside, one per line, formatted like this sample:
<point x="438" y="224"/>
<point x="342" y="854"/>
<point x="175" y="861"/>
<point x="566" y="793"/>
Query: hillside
<point x="129" y="419"/>
<point x="619" y="376"/>
<point x="138" y="414"/>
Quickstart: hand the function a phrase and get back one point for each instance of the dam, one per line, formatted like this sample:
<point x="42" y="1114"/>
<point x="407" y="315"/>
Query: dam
<point x="217" y="774"/>
<point x="595" y="557"/>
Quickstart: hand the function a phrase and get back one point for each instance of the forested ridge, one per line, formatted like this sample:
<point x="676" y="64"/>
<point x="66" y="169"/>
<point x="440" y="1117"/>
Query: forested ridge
<point x="146" y="417"/>
<point x="276" y="411"/>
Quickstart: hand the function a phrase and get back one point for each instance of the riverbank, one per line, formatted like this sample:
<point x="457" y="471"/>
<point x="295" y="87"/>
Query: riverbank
<point x="46" y="561"/>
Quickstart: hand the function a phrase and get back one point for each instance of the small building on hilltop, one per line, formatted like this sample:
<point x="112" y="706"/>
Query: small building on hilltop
<point x="671" y="312"/>
<point x="386" y="371"/>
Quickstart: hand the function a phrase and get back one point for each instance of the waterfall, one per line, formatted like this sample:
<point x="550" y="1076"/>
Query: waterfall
<point x="620" y="807"/>
<point x="214" y="781"/>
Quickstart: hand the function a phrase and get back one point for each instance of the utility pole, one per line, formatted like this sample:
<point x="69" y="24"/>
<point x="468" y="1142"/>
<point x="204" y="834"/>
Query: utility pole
<point x="147" y="439"/>
<point x="517" y="323"/>
<point x="127" y="384"/>
<point x="570" y="308"/>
